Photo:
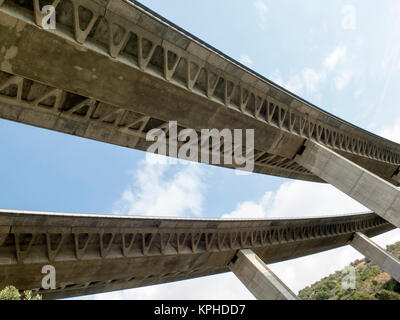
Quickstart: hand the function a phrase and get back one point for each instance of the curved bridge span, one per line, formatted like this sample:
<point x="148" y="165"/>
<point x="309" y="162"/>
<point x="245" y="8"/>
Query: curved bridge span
<point x="112" y="70"/>
<point x="95" y="254"/>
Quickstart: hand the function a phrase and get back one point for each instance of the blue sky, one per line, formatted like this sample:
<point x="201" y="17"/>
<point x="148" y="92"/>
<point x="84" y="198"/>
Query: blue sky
<point x="343" y="56"/>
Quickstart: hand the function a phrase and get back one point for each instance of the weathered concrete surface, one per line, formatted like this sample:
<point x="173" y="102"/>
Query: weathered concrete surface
<point x="94" y="254"/>
<point x="377" y="255"/>
<point x="129" y="60"/>
<point x="363" y="186"/>
<point x="258" y="278"/>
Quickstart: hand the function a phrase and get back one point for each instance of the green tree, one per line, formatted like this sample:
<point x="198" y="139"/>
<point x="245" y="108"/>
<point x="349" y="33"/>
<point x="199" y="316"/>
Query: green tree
<point x="387" y="295"/>
<point x="371" y="283"/>
<point x="12" y="293"/>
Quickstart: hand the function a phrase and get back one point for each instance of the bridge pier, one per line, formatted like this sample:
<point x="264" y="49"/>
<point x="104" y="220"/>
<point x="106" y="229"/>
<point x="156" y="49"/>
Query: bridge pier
<point x="376" y="254"/>
<point x="259" y="279"/>
<point x="363" y="186"/>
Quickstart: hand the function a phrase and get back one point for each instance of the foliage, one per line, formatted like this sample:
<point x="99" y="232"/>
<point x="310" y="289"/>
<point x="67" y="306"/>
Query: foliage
<point x="387" y="295"/>
<point x="12" y="293"/>
<point x="371" y="283"/>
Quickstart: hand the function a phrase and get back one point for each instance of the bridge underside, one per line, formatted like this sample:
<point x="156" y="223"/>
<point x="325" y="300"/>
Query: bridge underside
<point x="95" y="254"/>
<point x="127" y="72"/>
<point x="111" y="72"/>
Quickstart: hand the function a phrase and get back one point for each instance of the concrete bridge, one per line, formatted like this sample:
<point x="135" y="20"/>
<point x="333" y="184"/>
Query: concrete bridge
<point x="95" y="254"/>
<point x="112" y="70"/>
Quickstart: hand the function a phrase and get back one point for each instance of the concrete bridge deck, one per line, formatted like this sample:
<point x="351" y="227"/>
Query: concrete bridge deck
<point x="113" y="70"/>
<point x="95" y="254"/>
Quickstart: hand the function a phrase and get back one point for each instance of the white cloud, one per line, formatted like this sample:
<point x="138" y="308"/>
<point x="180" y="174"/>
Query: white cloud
<point x="295" y="84"/>
<point x="219" y="287"/>
<point x="343" y="79"/>
<point x="309" y="80"/>
<point x="338" y="55"/>
<point x="302" y="272"/>
<point x="391" y="60"/>
<point x="277" y="78"/>
<point x="336" y="58"/>
<point x="153" y="193"/>
<point x="312" y="78"/>
<point x="261" y="7"/>
<point x="245" y="59"/>
<point x="262" y="10"/>
<point x="251" y="209"/>
<point x="297" y="199"/>
<point x="392" y="132"/>
<point x="358" y="92"/>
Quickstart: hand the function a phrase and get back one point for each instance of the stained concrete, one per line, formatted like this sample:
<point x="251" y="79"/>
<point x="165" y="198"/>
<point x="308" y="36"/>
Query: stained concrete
<point x="363" y="186"/>
<point x="377" y="255"/>
<point x="258" y="278"/>
<point x="113" y="72"/>
<point x="95" y="254"/>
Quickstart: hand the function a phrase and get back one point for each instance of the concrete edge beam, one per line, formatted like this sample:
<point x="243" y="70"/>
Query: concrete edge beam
<point x="258" y="278"/>
<point x="376" y="254"/>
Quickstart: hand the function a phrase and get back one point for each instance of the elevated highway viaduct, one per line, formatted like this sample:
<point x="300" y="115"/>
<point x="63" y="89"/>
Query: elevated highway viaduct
<point x="112" y="70"/>
<point x="94" y="254"/>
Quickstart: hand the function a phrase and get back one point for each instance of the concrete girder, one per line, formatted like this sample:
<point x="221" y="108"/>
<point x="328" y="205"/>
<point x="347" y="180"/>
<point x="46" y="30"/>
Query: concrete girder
<point x="93" y="119"/>
<point x="95" y="254"/>
<point x="134" y="60"/>
<point x="258" y="278"/>
<point x="363" y="186"/>
<point x="377" y="255"/>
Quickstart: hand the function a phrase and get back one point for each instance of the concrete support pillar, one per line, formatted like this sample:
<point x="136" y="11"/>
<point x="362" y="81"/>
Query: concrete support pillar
<point x="377" y="255"/>
<point x="363" y="186"/>
<point x="258" y="278"/>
